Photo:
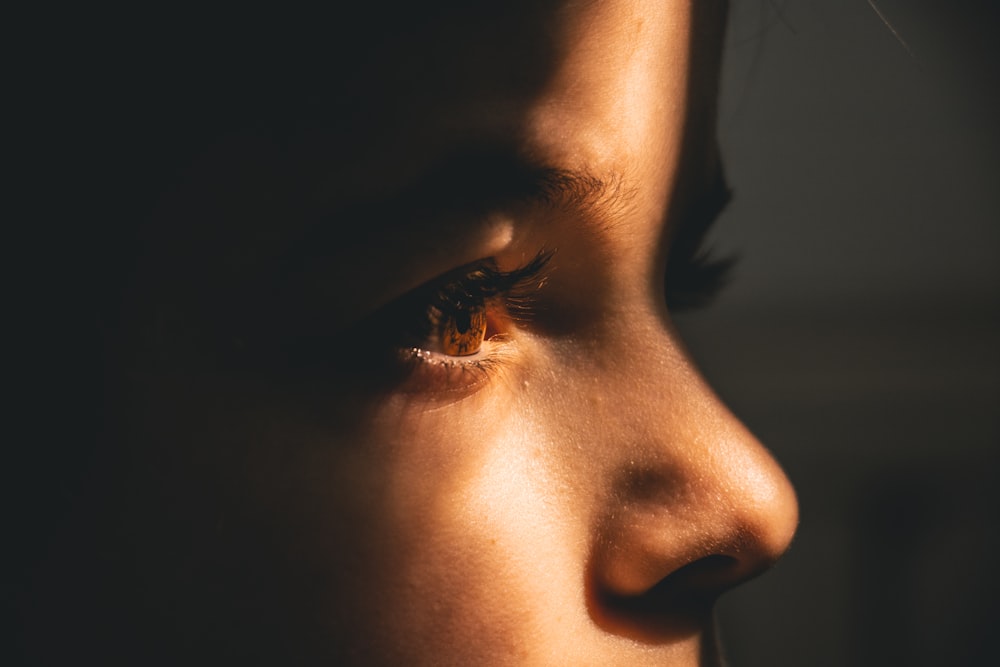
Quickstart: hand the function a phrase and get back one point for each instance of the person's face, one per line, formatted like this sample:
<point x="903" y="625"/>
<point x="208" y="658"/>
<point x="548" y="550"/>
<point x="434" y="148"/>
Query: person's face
<point x="325" y="473"/>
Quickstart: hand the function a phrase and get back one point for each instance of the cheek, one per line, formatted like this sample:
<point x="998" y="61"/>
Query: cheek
<point x="468" y="544"/>
<point x="422" y="536"/>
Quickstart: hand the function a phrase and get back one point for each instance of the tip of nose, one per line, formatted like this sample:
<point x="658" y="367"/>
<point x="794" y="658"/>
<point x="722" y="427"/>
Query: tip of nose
<point x="769" y="522"/>
<point x="660" y="572"/>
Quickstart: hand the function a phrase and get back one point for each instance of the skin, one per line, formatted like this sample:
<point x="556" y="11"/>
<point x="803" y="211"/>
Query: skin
<point x="584" y="502"/>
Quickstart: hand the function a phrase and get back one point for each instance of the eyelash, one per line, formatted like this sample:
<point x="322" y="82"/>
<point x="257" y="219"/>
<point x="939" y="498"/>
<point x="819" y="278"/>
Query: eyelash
<point x="695" y="274"/>
<point x="505" y="296"/>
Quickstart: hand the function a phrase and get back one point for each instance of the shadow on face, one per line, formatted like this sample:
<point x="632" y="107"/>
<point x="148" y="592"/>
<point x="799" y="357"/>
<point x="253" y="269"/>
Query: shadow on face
<point x="235" y="511"/>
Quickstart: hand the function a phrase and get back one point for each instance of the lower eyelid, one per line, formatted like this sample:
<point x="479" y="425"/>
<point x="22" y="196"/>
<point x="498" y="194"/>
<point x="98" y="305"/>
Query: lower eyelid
<point x="434" y="372"/>
<point x="447" y="360"/>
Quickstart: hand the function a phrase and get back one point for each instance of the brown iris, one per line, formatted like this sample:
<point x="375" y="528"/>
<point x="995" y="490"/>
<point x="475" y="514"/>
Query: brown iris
<point x="463" y="331"/>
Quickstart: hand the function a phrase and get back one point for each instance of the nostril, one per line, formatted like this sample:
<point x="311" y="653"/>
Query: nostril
<point x="678" y="605"/>
<point x="688" y="588"/>
<point x="709" y="576"/>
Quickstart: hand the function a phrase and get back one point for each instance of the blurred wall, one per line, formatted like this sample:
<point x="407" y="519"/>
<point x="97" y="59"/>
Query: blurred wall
<point x="859" y="338"/>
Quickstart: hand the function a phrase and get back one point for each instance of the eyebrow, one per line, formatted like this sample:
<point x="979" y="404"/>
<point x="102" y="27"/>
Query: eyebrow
<point x="396" y="241"/>
<point x="585" y="191"/>
<point x="422" y="230"/>
<point x="477" y="180"/>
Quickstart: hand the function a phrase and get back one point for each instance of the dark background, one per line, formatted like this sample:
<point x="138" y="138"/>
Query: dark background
<point x="859" y="338"/>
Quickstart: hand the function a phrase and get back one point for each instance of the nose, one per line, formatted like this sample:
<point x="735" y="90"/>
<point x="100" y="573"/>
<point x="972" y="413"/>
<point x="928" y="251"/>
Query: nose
<point x="691" y="504"/>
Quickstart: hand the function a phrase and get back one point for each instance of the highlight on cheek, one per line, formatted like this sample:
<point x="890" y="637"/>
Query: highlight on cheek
<point x="463" y="332"/>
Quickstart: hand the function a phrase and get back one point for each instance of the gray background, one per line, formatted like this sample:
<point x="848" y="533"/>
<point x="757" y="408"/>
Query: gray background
<point x="859" y="336"/>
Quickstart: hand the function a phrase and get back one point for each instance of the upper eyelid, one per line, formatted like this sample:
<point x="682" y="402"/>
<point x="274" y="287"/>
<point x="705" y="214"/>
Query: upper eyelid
<point x="486" y="273"/>
<point x="412" y="307"/>
<point x="379" y="274"/>
<point x="483" y="281"/>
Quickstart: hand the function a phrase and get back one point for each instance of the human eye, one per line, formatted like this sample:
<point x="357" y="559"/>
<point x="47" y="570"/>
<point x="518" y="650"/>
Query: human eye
<point x="455" y="332"/>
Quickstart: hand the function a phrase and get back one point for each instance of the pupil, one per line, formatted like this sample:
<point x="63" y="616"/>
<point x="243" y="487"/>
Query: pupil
<point x="463" y="320"/>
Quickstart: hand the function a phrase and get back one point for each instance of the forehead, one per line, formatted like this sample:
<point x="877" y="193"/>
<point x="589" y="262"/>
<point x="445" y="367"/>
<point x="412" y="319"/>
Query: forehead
<point x="381" y="99"/>
<point x="315" y="127"/>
